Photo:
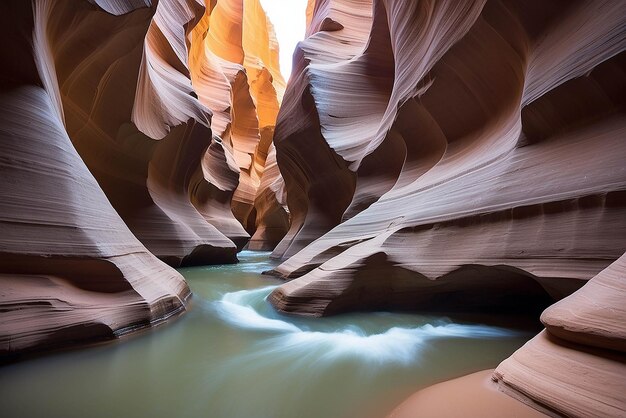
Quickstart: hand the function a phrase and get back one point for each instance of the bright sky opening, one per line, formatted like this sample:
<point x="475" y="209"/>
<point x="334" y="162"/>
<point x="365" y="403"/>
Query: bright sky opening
<point x="289" y="20"/>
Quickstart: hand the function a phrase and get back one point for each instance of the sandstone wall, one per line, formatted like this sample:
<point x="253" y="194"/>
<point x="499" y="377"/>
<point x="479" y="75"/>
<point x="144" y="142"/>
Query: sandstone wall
<point x="125" y="138"/>
<point x="452" y="155"/>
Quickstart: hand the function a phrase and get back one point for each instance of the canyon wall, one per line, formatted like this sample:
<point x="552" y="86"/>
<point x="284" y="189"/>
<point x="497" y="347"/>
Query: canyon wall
<point x="71" y="271"/>
<point x="435" y="156"/>
<point x="134" y="134"/>
<point x="466" y="157"/>
<point x="452" y="156"/>
<point x="235" y="71"/>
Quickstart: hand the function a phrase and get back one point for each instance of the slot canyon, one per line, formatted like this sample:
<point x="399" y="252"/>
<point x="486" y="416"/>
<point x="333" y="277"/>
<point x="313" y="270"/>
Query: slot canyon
<point x="425" y="218"/>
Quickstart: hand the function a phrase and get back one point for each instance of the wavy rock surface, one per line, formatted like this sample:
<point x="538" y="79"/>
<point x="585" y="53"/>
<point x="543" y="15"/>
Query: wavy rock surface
<point x="235" y="72"/>
<point x="596" y="314"/>
<point x="571" y="380"/>
<point x="130" y="112"/>
<point x="318" y="183"/>
<point x="473" y="153"/>
<point x="70" y="269"/>
<point x="145" y="134"/>
<point x="108" y="160"/>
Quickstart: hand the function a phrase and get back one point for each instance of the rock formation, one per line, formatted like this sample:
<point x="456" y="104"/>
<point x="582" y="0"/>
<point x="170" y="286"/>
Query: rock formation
<point x="111" y="156"/>
<point x="70" y="269"/>
<point x="270" y="205"/>
<point x="129" y="110"/>
<point x="235" y="72"/>
<point x="585" y="336"/>
<point x="461" y="156"/>
<point x="435" y="155"/>
<point x="466" y="156"/>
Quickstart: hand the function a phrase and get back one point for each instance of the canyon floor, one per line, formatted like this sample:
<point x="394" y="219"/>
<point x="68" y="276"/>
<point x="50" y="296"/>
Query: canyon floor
<point x="262" y="365"/>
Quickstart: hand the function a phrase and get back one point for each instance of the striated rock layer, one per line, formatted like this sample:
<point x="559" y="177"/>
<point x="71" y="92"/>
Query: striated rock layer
<point x="110" y="155"/>
<point x="454" y="155"/>
<point x="466" y="156"/>
<point x="130" y="112"/>
<point x="576" y="366"/>
<point x="70" y="269"/>
<point x="234" y="68"/>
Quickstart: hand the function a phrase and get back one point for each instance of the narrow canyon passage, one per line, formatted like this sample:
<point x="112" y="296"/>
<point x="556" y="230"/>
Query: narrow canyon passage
<point x="431" y="188"/>
<point x="232" y="355"/>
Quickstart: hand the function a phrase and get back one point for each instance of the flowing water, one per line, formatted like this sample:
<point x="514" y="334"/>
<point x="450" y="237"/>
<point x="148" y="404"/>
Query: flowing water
<point x="233" y="356"/>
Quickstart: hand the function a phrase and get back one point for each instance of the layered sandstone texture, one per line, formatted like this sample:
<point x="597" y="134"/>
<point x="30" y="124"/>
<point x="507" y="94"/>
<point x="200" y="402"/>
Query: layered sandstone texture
<point x="118" y="149"/>
<point x="130" y="111"/>
<point x="577" y="365"/>
<point x="235" y="71"/>
<point x="443" y="155"/>
<point x="71" y="271"/>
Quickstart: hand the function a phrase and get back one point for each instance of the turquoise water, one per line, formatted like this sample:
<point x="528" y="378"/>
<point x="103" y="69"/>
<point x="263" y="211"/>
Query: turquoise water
<point x="233" y="356"/>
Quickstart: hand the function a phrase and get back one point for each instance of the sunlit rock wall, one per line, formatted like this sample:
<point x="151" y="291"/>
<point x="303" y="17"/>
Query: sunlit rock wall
<point x="130" y="129"/>
<point x="235" y="71"/>
<point x="130" y="110"/>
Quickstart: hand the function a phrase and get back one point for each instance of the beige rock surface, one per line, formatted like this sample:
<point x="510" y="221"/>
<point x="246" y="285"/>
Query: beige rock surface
<point x="71" y="270"/>
<point x="474" y="395"/>
<point x="569" y="379"/>
<point x="577" y="365"/>
<point x="596" y="314"/>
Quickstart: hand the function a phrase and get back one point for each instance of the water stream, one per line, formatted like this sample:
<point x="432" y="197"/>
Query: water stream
<point x="233" y="356"/>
